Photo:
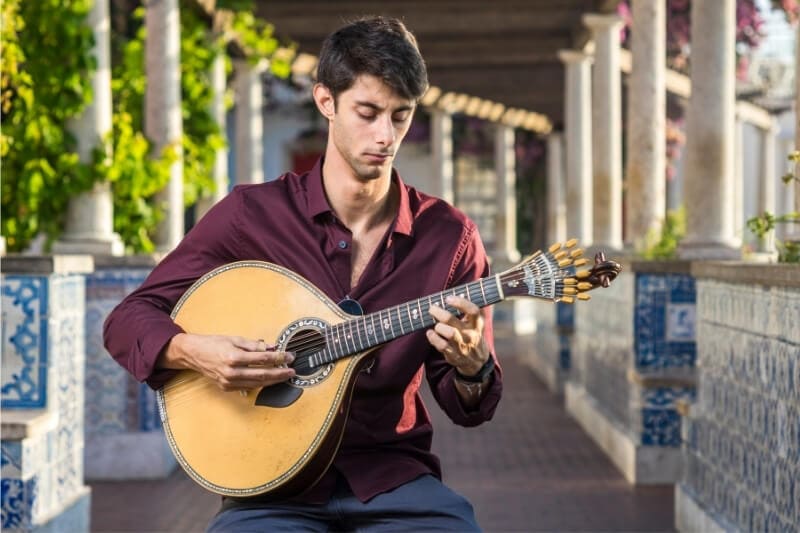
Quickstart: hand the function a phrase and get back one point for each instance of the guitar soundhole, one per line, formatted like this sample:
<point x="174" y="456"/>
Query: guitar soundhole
<point x="305" y="339"/>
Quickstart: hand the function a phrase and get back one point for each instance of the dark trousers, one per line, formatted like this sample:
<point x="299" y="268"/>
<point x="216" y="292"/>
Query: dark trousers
<point x="424" y="504"/>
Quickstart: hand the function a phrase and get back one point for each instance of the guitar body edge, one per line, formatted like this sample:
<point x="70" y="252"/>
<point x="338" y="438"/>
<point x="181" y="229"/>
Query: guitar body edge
<point x="226" y="441"/>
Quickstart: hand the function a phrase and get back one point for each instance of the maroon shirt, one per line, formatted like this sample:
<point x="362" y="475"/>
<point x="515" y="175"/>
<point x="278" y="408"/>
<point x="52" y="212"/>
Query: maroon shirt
<point x="429" y="247"/>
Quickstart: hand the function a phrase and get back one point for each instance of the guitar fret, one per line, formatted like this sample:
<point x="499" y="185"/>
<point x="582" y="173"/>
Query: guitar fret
<point x="400" y="321"/>
<point x="421" y="315"/>
<point x="483" y="292"/>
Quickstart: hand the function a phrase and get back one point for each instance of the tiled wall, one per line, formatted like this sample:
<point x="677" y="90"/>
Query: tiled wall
<point x="115" y="402"/>
<point x="43" y="374"/>
<point x="742" y="449"/>
<point x="640" y="328"/>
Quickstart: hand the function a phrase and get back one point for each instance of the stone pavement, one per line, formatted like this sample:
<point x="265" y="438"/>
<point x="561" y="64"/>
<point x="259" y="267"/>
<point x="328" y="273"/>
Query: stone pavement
<point x="530" y="469"/>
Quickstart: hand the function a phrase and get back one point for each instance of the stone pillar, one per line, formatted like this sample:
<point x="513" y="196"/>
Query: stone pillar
<point x="89" y="226"/>
<point x="220" y="171"/>
<point x="249" y="123"/>
<point x="556" y="207"/>
<point x="578" y="132"/>
<point x="738" y="177"/>
<point x="607" y="131"/>
<point x="645" y="172"/>
<point x="163" y="115"/>
<point x="515" y="316"/>
<point x="43" y="361"/>
<point x="709" y="171"/>
<point x="766" y="186"/>
<point x="442" y="148"/>
<point x="505" y="166"/>
<point x="792" y="231"/>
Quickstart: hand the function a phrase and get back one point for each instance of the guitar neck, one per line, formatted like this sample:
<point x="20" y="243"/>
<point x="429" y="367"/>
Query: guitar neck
<point x="365" y="332"/>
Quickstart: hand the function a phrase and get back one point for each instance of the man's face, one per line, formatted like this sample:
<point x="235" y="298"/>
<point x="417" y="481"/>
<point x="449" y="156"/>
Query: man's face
<point x="369" y="122"/>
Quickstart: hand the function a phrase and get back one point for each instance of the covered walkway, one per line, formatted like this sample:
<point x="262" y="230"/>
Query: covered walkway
<point x="531" y="469"/>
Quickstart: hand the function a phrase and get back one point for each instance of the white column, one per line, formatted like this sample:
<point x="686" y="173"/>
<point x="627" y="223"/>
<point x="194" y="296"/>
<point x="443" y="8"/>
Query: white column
<point x="556" y="207"/>
<point x="220" y="170"/>
<point x="249" y="122"/>
<point x="709" y="171"/>
<point x="738" y="180"/>
<point x="792" y="231"/>
<point x="606" y="131"/>
<point x="163" y="116"/>
<point x="89" y="227"/>
<point x="578" y="132"/>
<point x="442" y="151"/>
<point x="506" y="169"/>
<point x="645" y="172"/>
<point x="767" y="183"/>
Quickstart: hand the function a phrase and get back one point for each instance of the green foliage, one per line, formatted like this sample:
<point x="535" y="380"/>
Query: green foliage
<point x="47" y="64"/>
<point x="46" y="61"/>
<point x="762" y="225"/>
<point x="665" y="244"/>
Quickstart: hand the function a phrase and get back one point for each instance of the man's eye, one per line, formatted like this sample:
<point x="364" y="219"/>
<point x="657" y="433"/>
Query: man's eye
<point x="400" y="118"/>
<point x="366" y="117"/>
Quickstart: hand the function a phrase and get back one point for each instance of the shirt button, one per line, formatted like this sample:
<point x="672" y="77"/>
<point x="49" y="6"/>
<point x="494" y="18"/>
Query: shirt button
<point x="342" y="244"/>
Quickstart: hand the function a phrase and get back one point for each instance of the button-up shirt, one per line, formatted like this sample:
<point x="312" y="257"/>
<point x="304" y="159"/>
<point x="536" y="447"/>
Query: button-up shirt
<point x="429" y="247"/>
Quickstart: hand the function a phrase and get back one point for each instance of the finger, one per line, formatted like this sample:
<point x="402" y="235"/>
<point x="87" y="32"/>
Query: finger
<point x="448" y="332"/>
<point x="248" y="378"/>
<point x="437" y="341"/>
<point x="250" y="345"/>
<point x="264" y="359"/>
<point x="469" y="311"/>
<point x="443" y="316"/>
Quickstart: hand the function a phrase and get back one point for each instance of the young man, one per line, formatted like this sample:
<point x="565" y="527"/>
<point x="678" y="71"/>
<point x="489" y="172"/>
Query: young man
<point x="355" y="230"/>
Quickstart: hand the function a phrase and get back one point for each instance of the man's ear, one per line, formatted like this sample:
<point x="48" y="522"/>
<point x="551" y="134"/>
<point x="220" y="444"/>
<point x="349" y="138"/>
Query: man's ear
<point x="324" y="100"/>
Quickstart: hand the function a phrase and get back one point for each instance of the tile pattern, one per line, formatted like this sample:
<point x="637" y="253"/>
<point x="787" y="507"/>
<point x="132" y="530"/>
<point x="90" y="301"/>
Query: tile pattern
<point x="115" y="402"/>
<point x="664" y="321"/>
<point x="643" y="323"/>
<point x="742" y="438"/>
<point x="44" y="471"/>
<point x="24" y="331"/>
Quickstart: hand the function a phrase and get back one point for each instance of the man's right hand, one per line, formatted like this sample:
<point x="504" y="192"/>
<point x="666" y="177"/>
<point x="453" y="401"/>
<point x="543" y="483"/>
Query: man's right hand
<point x="233" y="363"/>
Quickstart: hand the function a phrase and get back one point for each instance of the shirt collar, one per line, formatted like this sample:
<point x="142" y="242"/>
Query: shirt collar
<point x="318" y="203"/>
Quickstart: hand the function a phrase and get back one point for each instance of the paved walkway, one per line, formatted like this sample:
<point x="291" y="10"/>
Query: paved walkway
<point x="529" y="469"/>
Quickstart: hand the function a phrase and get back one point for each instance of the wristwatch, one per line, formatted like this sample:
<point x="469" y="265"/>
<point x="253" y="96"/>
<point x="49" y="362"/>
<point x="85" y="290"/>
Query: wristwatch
<point x="480" y="377"/>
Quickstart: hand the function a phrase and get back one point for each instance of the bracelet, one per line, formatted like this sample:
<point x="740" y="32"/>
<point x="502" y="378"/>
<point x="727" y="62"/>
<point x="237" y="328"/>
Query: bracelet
<point x="483" y="373"/>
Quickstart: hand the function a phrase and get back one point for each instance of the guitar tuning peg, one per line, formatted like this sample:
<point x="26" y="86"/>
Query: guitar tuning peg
<point x="583" y="274"/>
<point x="564" y="262"/>
<point x="567" y="299"/>
<point x="584" y="286"/>
<point x="570" y="281"/>
<point x="583" y="296"/>
<point x="570" y="243"/>
<point x="560" y="255"/>
<point x="554" y="247"/>
<point x="576" y="253"/>
<point x="580" y="262"/>
<point x="570" y="290"/>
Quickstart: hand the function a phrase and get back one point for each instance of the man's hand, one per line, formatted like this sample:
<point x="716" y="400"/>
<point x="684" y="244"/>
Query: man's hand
<point x="233" y="363"/>
<point x="460" y="340"/>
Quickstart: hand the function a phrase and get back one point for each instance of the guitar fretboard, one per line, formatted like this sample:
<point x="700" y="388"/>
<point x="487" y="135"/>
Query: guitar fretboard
<point x="374" y="329"/>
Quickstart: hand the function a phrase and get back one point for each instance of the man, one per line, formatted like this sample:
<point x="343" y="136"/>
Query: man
<point x="355" y="230"/>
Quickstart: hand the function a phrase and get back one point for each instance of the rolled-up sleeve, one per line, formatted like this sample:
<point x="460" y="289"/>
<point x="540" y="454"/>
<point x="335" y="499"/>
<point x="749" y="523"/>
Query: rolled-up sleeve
<point x="470" y="263"/>
<point x="140" y="327"/>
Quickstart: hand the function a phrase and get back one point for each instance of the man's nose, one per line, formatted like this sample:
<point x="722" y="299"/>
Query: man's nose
<point x="385" y="132"/>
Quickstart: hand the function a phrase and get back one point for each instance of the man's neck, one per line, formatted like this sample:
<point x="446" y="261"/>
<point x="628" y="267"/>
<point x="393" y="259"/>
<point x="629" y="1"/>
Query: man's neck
<point x="360" y="204"/>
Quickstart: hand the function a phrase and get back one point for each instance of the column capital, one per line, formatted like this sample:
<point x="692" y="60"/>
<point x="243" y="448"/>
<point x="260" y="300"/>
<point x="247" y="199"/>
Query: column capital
<point x="569" y="57"/>
<point x="602" y="21"/>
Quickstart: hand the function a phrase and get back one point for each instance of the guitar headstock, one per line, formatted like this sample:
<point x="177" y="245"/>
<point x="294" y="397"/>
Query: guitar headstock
<point x="554" y="274"/>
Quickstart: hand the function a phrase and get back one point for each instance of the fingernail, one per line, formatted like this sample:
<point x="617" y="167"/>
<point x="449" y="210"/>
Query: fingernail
<point x="288" y="357"/>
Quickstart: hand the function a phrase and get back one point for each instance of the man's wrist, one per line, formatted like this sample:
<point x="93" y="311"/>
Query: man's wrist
<point x="479" y="377"/>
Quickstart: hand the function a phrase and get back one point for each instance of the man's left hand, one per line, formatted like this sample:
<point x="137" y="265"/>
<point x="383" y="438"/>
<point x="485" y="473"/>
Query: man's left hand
<point x="460" y="340"/>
